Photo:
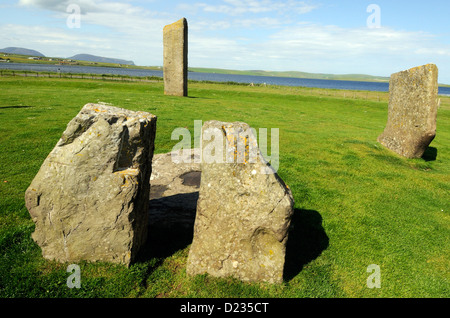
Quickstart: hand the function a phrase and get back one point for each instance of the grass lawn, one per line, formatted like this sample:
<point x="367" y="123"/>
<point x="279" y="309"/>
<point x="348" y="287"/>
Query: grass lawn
<point x="356" y="203"/>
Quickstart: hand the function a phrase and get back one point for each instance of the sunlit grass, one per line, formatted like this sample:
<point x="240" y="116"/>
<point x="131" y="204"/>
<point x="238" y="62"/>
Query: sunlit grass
<point x="356" y="202"/>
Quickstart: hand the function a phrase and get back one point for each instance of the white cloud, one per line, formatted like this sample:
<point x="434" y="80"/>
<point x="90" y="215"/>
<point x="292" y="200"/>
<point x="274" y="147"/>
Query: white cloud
<point x="264" y="23"/>
<point x="108" y="28"/>
<point x="325" y="49"/>
<point x="50" y="38"/>
<point x="240" y="7"/>
<point x="86" y="6"/>
<point x="120" y="16"/>
<point x="250" y="34"/>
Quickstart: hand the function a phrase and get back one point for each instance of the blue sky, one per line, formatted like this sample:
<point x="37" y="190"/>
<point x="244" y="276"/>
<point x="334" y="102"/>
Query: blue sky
<point x="318" y="36"/>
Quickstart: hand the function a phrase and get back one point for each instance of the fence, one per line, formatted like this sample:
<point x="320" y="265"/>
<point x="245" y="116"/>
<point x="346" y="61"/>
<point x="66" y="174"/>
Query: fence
<point x="110" y="77"/>
<point x="336" y="93"/>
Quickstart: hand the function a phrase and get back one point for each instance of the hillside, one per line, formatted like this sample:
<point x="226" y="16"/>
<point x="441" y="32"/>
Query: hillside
<point x="21" y="51"/>
<point x="99" y="59"/>
<point x="296" y="74"/>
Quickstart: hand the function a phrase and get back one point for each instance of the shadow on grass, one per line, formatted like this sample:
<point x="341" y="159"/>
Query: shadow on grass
<point x="307" y="240"/>
<point x="171" y="225"/>
<point x="5" y="107"/>
<point x="171" y="228"/>
<point x="430" y="154"/>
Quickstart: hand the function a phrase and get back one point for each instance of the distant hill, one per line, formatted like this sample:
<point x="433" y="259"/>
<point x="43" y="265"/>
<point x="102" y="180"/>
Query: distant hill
<point x="99" y="59"/>
<point x="296" y="74"/>
<point x="21" y="51"/>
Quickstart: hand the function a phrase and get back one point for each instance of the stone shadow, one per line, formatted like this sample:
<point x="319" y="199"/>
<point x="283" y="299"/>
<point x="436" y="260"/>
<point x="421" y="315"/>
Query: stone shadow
<point x="307" y="240"/>
<point x="173" y="203"/>
<point x="5" y="107"/>
<point x="430" y="154"/>
<point x="170" y="226"/>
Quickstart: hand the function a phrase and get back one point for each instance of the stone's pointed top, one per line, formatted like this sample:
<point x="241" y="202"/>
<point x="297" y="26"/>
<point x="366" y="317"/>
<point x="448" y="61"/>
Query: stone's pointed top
<point x="430" y="67"/>
<point x="101" y="108"/>
<point x="427" y="72"/>
<point x="182" y="23"/>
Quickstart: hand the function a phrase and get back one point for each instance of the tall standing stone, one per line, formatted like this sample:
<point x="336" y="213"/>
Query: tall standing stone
<point x="176" y="58"/>
<point x="89" y="200"/>
<point x="413" y="105"/>
<point x="243" y="211"/>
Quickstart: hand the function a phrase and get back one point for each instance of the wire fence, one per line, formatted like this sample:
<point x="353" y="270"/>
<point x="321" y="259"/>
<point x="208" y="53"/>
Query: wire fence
<point x="106" y="77"/>
<point x="321" y="92"/>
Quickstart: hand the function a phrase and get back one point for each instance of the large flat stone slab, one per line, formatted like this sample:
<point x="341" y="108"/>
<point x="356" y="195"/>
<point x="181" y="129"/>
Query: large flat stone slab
<point x="175" y="183"/>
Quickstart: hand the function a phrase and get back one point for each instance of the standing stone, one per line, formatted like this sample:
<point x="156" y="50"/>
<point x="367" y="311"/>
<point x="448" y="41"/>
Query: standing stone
<point x="413" y="104"/>
<point x="176" y="58"/>
<point x="243" y="211"/>
<point x="89" y="200"/>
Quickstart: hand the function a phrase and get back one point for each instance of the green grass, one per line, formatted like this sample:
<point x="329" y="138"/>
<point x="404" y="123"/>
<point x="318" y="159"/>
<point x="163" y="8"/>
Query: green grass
<point x="356" y="203"/>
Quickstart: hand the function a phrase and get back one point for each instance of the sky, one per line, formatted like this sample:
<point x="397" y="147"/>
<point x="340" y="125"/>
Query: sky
<point x="375" y="37"/>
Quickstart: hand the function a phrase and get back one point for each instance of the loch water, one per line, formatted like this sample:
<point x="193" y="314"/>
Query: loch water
<point x="214" y="77"/>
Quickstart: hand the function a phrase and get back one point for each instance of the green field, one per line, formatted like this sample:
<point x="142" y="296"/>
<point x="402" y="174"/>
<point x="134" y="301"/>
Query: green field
<point x="356" y="203"/>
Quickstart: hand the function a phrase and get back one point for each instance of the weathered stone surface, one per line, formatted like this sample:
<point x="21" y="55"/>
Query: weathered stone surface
<point x="413" y="104"/>
<point x="89" y="200"/>
<point x="175" y="40"/>
<point x="243" y="214"/>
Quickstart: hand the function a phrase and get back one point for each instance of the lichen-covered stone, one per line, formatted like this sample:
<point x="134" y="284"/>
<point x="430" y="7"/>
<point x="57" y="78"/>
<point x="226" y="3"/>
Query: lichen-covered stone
<point x="243" y="212"/>
<point x="89" y="200"/>
<point x="412" y="113"/>
<point x="175" y="41"/>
